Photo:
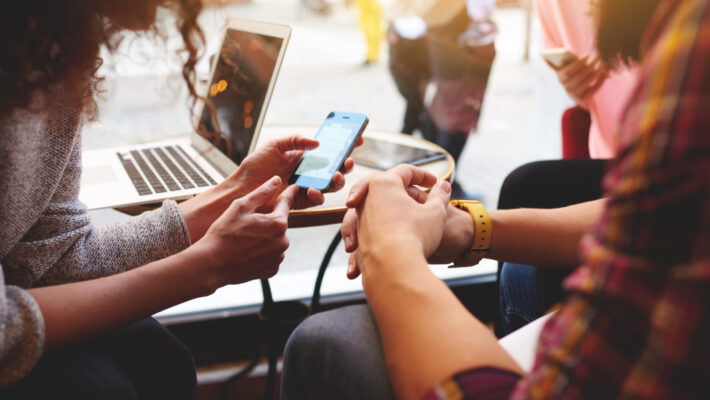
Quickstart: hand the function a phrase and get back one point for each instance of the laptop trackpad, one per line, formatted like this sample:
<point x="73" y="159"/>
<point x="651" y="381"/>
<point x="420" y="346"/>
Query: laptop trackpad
<point x="98" y="175"/>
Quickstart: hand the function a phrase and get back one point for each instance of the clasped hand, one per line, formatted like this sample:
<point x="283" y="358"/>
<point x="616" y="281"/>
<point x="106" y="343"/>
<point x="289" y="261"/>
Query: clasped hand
<point x="387" y="212"/>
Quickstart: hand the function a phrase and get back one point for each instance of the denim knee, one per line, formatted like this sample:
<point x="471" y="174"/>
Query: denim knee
<point x="518" y="302"/>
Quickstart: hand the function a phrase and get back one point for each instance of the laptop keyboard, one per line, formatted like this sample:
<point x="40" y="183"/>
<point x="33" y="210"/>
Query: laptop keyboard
<point x="187" y="168"/>
<point x="152" y="170"/>
<point x="152" y="179"/>
<point x="197" y="167"/>
<point x="164" y="175"/>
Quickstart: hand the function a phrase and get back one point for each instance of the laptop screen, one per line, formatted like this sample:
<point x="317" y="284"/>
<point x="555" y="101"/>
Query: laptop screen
<point x="238" y="90"/>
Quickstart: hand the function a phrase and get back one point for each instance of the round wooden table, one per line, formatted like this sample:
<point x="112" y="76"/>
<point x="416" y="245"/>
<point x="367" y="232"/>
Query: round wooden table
<point x="333" y="209"/>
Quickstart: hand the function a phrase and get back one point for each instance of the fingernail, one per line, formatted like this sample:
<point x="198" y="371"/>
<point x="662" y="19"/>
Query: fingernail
<point x="444" y="186"/>
<point x="351" y="267"/>
<point x="351" y="196"/>
<point x="275" y="180"/>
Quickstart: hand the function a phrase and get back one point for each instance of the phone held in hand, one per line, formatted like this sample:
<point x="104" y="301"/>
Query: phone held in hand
<point x="558" y="57"/>
<point x="337" y="137"/>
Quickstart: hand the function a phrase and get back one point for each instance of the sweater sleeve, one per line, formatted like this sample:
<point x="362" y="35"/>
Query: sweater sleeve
<point x="22" y="333"/>
<point x="64" y="246"/>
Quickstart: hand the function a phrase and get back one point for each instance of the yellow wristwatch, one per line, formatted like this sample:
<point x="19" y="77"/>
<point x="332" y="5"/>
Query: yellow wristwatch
<point x="481" y="234"/>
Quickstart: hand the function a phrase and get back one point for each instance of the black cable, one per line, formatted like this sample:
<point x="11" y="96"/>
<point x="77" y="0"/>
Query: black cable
<point x="281" y="313"/>
<point x="266" y="293"/>
<point x="315" y="300"/>
<point x="273" y="317"/>
<point x="254" y="362"/>
<point x="271" y="374"/>
<point x="269" y="331"/>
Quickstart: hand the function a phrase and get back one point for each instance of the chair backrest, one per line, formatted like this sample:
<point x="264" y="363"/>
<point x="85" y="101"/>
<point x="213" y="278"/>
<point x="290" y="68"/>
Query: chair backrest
<point x="575" y="133"/>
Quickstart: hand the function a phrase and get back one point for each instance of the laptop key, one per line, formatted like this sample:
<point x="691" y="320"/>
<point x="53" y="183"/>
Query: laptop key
<point x="135" y="176"/>
<point x="185" y="166"/>
<point x="152" y="179"/>
<point x="164" y="175"/>
<point x="181" y="178"/>
<point x="197" y="166"/>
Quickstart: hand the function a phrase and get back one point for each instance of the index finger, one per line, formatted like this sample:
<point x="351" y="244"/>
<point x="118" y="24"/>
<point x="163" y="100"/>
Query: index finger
<point x="285" y="202"/>
<point x="295" y="142"/>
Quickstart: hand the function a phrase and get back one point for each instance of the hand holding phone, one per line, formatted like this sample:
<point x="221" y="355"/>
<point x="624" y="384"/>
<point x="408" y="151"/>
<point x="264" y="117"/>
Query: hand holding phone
<point x="337" y="137"/>
<point x="580" y="76"/>
<point x="558" y="57"/>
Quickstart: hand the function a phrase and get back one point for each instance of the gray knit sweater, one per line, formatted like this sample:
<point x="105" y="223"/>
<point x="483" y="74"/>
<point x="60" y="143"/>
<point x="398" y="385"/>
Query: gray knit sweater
<point x="46" y="237"/>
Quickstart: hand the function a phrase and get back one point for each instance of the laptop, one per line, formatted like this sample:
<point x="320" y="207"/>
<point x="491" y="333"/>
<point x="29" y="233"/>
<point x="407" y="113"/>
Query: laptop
<point x="241" y="82"/>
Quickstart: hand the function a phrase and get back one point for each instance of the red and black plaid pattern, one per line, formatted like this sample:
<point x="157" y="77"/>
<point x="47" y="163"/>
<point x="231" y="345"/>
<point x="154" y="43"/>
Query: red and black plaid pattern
<point x="637" y="321"/>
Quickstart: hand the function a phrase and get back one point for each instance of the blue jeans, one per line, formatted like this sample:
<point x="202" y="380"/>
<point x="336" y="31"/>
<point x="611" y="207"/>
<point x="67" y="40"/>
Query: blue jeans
<point x="336" y="355"/>
<point x="527" y="293"/>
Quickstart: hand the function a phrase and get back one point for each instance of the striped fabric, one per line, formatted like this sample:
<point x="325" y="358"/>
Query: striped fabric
<point x="637" y="321"/>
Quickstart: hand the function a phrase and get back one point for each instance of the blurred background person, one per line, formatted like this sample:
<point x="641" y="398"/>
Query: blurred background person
<point x="370" y="18"/>
<point x="440" y="73"/>
<point x="482" y="29"/>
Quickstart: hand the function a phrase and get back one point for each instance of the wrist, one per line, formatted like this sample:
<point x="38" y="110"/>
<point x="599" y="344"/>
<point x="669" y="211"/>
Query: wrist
<point x="466" y="227"/>
<point x="203" y="268"/>
<point x="387" y="259"/>
<point x="383" y="249"/>
<point x="200" y="211"/>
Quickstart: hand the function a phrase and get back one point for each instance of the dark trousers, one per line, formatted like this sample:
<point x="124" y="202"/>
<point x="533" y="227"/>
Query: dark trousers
<point x="527" y="292"/>
<point x="139" y="361"/>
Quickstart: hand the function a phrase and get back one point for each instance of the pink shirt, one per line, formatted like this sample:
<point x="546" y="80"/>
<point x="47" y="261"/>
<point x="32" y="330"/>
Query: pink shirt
<point x="567" y="23"/>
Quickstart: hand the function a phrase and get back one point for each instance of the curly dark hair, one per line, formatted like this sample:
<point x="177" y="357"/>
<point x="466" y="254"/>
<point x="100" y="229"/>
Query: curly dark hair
<point x="44" y="43"/>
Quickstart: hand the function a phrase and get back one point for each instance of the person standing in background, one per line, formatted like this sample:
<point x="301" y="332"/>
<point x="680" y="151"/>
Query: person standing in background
<point x="603" y="93"/>
<point x="370" y="18"/>
<point x="441" y="74"/>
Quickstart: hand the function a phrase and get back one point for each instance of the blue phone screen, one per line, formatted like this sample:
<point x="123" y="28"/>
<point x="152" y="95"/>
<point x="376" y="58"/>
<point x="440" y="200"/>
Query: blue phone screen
<point x="335" y="137"/>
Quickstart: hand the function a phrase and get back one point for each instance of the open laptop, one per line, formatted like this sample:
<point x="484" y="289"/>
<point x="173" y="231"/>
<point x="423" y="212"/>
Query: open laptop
<point x="242" y="79"/>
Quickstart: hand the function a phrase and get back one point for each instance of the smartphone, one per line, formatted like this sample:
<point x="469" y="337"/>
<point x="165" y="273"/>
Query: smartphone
<point x="337" y="137"/>
<point x="558" y="57"/>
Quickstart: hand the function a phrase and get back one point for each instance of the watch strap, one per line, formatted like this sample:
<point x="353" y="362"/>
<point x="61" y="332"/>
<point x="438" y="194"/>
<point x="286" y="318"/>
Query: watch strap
<point x="482" y="233"/>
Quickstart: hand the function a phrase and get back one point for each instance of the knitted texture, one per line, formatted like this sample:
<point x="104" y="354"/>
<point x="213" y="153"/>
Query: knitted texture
<point x="46" y="236"/>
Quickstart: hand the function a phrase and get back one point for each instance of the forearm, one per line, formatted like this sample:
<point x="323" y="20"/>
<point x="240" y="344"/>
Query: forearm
<point x="543" y="237"/>
<point x="540" y="237"/>
<point x="200" y="211"/>
<point x="78" y="310"/>
<point x="427" y="334"/>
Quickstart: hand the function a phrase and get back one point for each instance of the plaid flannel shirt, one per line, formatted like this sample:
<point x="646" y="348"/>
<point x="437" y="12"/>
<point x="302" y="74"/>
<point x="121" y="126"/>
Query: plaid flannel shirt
<point x="637" y="321"/>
